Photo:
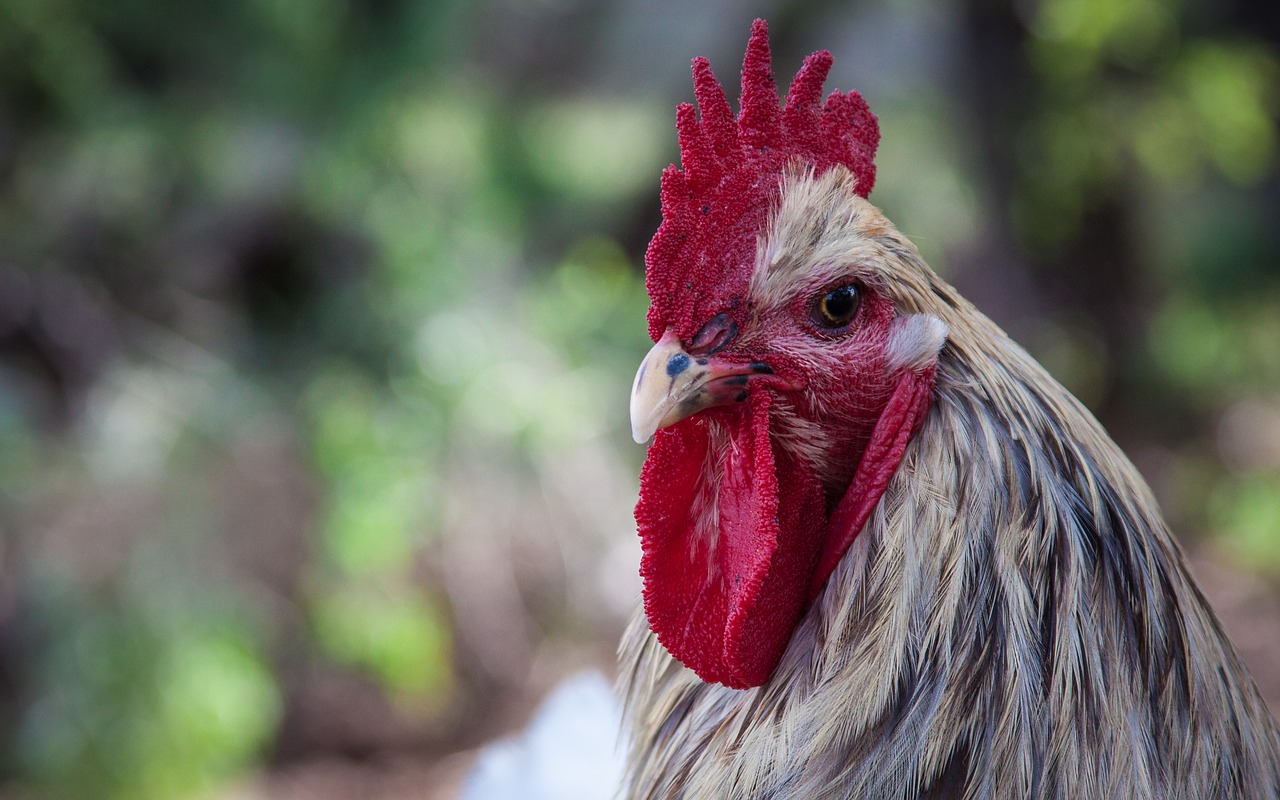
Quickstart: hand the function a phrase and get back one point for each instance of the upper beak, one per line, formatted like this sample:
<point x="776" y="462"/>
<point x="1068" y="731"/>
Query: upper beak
<point x="671" y="384"/>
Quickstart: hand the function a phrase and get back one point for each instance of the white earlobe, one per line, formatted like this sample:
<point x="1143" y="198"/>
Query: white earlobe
<point x="914" y="341"/>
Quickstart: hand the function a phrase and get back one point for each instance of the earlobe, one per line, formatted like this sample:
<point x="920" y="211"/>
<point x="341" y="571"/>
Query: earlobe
<point x="914" y="342"/>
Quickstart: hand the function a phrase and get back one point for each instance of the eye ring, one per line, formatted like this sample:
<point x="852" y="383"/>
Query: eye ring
<point x="836" y="308"/>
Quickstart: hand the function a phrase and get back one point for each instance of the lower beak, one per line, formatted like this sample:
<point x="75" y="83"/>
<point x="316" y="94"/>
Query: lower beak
<point x="671" y="384"/>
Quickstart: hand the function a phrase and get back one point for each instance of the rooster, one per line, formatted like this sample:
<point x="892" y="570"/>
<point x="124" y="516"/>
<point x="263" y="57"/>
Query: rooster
<point x="885" y="554"/>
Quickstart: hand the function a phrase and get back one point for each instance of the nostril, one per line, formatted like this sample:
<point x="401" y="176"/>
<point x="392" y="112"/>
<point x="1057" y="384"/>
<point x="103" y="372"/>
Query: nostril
<point x="714" y="336"/>
<point x="678" y="363"/>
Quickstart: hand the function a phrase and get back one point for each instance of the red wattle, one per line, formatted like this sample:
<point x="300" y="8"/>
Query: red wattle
<point x="730" y="533"/>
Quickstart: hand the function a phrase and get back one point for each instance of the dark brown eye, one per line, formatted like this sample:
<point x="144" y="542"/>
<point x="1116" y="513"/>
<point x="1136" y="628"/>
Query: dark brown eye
<point x="836" y="308"/>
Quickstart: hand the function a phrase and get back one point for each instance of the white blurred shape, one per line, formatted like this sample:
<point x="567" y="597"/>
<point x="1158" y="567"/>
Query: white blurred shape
<point x="570" y="751"/>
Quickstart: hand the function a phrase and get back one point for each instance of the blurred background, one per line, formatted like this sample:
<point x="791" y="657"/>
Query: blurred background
<point x="318" y="317"/>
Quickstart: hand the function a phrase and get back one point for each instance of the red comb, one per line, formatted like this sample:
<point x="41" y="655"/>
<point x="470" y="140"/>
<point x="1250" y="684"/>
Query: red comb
<point x="700" y="260"/>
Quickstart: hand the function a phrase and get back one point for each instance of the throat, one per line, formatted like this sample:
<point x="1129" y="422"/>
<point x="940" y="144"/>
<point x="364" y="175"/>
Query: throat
<point x="831" y="451"/>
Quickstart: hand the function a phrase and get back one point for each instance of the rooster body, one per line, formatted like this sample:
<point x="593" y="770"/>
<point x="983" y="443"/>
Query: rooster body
<point x="986" y="602"/>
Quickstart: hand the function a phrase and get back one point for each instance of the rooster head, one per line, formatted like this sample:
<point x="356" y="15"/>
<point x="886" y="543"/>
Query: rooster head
<point x="790" y="370"/>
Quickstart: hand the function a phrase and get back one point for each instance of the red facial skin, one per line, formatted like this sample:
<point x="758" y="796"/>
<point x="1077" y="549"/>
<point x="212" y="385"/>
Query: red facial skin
<point x="841" y="378"/>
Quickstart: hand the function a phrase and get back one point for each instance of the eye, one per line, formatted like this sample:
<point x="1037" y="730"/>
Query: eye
<point x="836" y="308"/>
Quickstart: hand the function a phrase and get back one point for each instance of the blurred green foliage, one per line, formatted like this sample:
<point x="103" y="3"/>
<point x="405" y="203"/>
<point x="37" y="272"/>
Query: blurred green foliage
<point x="280" y="278"/>
<point x="1119" y="85"/>
<point x="148" y="692"/>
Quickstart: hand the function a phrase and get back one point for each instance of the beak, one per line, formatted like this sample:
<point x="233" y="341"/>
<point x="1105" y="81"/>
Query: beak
<point x="671" y="384"/>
